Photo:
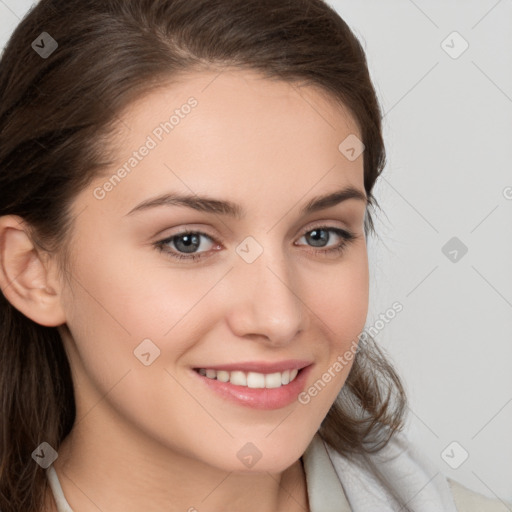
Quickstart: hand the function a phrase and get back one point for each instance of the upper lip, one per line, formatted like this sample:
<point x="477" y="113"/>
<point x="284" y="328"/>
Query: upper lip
<point x="260" y="366"/>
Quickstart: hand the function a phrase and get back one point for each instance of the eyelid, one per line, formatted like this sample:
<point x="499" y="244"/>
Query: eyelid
<point x="322" y="223"/>
<point x="194" y="228"/>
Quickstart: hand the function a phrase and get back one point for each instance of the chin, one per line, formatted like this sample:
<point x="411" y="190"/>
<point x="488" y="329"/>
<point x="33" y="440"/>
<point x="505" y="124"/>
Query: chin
<point x="264" y="455"/>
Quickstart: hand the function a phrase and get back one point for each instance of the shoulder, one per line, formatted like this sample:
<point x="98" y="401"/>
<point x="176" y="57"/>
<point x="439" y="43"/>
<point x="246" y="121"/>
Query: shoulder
<point x="405" y="469"/>
<point x="472" y="501"/>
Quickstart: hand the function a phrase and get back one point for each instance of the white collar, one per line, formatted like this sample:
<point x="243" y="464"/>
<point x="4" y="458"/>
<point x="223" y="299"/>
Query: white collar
<point x="325" y="492"/>
<point x="60" y="500"/>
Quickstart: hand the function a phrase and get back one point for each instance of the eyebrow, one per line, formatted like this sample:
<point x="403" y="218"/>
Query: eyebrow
<point x="224" y="207"/>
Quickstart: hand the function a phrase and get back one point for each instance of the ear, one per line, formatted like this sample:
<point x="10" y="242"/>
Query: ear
<point x="28" y="275"/>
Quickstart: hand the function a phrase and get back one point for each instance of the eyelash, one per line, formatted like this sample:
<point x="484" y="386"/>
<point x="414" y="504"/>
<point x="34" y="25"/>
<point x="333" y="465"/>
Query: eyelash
<point x="347" y="238"/>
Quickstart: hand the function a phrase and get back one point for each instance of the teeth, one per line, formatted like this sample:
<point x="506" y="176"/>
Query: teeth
<point x="255" y="380"/>
<point x="251" y="379"/>
<point x="273" y="380"/>
<point x="223" y="376"/>
<point x="238" y="379"/>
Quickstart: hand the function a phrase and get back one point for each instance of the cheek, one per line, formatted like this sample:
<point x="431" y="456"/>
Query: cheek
<point x="136" y="294"/>
<point x="114" y="308"/>
<point x="339" y="296"/>
<point x="340" y="304"/>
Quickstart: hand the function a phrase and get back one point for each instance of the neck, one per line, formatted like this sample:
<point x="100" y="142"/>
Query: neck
<point x="128" y="474"/>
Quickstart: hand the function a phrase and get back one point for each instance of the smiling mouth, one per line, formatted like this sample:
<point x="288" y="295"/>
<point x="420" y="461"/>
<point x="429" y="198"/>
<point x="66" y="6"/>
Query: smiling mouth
<point x="253" y="380"/>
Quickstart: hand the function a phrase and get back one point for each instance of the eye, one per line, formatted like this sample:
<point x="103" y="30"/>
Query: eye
<point x="187" y="245"/>
<point x="188" y="242"/>
<point x="320" y="236"/>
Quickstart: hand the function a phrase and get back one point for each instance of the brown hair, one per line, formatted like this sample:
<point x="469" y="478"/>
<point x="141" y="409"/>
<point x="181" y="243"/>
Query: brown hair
<point x="56" y="115"/>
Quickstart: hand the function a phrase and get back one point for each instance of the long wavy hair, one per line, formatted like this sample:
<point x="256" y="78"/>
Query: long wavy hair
<point x="57" y="114"/>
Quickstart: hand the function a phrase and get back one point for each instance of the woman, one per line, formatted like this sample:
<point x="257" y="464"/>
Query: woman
<point x="186" y="195"/>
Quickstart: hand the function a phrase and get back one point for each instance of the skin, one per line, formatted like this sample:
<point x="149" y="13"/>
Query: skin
<point x="154" y="437"/>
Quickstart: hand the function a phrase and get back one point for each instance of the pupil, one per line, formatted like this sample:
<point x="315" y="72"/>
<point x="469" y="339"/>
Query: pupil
<point x="189" y="242"/>
<point x="316" y="238"/>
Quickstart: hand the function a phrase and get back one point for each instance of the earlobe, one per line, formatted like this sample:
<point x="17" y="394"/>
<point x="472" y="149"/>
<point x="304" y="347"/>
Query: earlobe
<point x="26" y="275"/>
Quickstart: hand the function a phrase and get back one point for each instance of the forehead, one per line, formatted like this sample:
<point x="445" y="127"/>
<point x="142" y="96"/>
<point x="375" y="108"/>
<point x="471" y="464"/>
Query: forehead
<point x="231" y="130"/>
<point x="231" y="90"/>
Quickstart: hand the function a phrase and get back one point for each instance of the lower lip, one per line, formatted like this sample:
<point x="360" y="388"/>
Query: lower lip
<point x="259" y="398"/>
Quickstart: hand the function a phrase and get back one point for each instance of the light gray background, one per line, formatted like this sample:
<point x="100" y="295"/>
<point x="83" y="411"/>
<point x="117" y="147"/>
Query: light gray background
<point x="448" y="132"/>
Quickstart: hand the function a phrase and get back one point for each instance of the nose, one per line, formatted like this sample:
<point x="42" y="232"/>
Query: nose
<point x="266" y="300"/>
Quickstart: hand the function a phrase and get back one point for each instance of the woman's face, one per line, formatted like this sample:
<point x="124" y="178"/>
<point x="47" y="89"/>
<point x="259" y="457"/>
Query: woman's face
<point x="267" y="290"/>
